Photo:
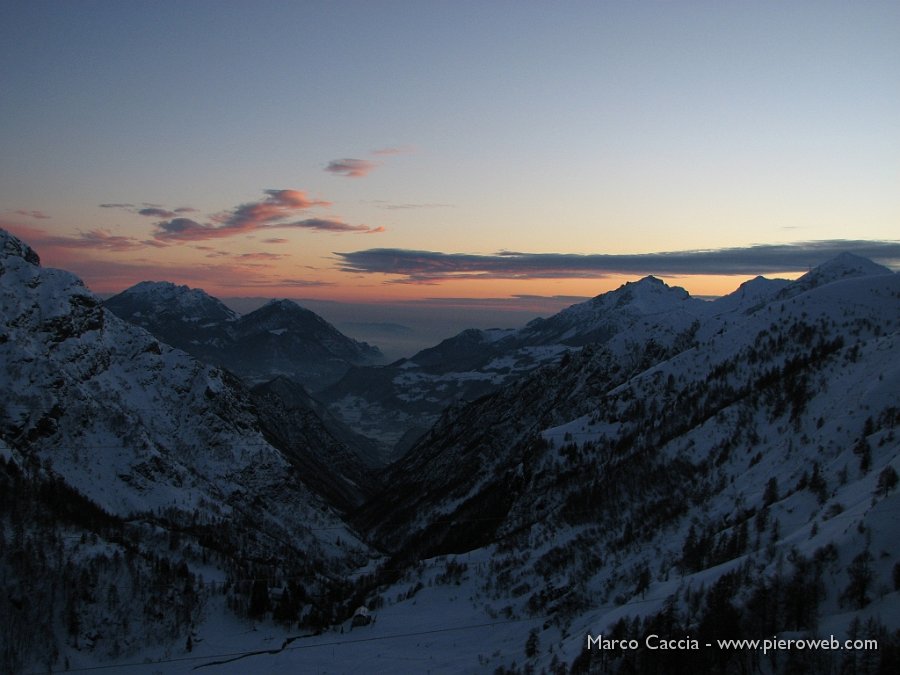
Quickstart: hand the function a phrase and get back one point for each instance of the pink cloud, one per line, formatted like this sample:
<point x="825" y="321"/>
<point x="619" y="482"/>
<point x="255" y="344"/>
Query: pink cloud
<point x="277" y="205"/>
<point x="97" y="239"/>
<point x="269" y="213"/>
<point x="350" y="168"/>
<point x="102" y="239"/>
<point x="105" y="275"/>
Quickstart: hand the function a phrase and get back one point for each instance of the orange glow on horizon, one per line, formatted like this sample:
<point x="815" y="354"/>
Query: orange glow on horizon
<point x="276" y="275"/>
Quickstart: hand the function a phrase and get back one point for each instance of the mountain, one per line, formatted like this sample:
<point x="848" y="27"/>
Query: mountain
<point x="183" y="317"/>
<point x="692" y="473"/>
<point x="396" y="404"/>
<point x="283" y="338"/>
<point x="581" y="384"/>
<point x="843" y="266"/>
<point x="741" y="484"/>
<point x="280" y="338"/>
<point x="94" y="379"/>
<point x="127" y="463"/>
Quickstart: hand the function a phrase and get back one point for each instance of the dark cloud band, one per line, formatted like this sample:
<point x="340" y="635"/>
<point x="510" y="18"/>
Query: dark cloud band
<point x="430" y="267"/>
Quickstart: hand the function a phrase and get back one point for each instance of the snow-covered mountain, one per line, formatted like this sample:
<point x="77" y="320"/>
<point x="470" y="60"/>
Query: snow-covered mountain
<point x="740" y="485"/>
<point x="693" y="471"/>
<point x="279" y="339"/>
<point x="126" y="449"/>
<point x="187" y="318"/>
<point x="844" y="266"/>
<point x="397" y="403"/>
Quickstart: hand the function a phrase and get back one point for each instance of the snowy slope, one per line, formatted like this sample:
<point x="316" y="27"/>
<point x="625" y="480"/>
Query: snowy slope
<point x="602" y="492"/>
<point x="145" y="434"/>
<point x="724" y="469"/>
<point x="395" y="404"/>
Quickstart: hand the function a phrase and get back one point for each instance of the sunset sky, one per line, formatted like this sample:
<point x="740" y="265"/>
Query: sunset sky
<point x="409" y="151"/>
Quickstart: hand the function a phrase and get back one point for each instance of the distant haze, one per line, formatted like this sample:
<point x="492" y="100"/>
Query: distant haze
<point x="402" y="329"/>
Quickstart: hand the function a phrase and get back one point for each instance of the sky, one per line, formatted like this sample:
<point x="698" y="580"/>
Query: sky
<point x="441" y="153"/>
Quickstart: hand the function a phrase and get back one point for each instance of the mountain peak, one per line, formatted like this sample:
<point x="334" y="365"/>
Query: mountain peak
<point x="283" y="304"/>
<point x="649" y="281"/>
<point x="843" y="266"/>
<point x="153" y="286"/>
<point x="285" y="310"/>
<point x="10" y="245"/>
<point x="156" y="297"/>
<point x="645" y="295"/>
<point x="167" y="288"/>
<point x="850" y="262"/>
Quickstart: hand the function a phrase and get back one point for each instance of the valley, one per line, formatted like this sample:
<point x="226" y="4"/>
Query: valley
<point x="187" y="488"/>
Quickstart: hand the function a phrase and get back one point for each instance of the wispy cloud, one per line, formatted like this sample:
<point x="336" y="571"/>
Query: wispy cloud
<point x="277" y="205"/>
<point x="185" y="229"/>
<point x="424" y="267"/>
<point x="274" y="211"/>
<point x="149" y="210"/>
<point x="302" y="283"/>
<point x="399" y="207"/>
<point x="105" y="275"/>
<point x="552" y="298"/>
<point x="350" y="168"/>
<point x="113" y="275"/>
<point x="40" y="215"/>
<point x="156" y="212"/>
<point x="395" y="150"/>
<point x="329" y="225"/>
<point x="259" y="255"/>
<point x="96" y="239"/>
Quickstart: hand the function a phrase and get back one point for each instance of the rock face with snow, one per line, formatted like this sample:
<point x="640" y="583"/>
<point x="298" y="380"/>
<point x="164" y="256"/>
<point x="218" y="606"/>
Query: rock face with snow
<point x="182" y="317"/>
<point x="125" y="414"/>
<point x="137" y="432"/>
<point x="279" y="339"/>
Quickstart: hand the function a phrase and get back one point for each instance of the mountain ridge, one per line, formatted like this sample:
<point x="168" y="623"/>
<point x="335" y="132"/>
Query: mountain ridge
<point x="730" y="471"/>
<point x="398" y="402"/>
<point x="279" y="338"/>
<point x="126" y="452"/>
<point x="671" y="492"/>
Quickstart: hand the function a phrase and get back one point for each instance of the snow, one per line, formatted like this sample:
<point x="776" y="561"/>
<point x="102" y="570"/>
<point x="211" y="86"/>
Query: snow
<point x="139" y="427"/>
